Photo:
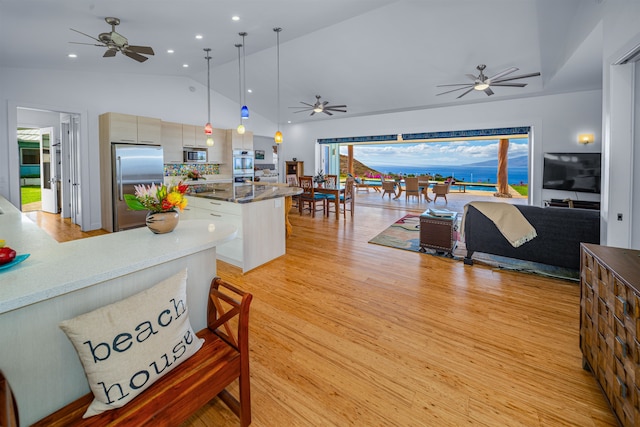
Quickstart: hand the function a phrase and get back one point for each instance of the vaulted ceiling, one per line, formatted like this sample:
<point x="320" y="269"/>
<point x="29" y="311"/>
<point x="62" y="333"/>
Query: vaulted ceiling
<point x="372" y="55"/>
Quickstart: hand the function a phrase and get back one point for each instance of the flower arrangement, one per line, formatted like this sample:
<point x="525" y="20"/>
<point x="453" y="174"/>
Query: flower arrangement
<point x="319" y="177"/>
<point x="157" y="198"/>
<point x="194" y="174"/>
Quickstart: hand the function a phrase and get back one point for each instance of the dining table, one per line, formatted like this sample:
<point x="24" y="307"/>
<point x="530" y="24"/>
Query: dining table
<point x="336" y="191"/>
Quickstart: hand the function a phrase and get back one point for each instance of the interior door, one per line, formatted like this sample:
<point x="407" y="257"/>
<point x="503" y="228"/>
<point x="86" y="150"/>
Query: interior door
<point x="74" y="170"/>
<point x="49" y="154"/>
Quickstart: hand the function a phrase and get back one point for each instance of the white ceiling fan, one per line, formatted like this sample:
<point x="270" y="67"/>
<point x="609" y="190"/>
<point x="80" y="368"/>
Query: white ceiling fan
<point x="483" y="83"/>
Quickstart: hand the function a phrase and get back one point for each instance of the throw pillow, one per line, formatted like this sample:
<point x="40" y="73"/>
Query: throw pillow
<point x="126" y="346"/>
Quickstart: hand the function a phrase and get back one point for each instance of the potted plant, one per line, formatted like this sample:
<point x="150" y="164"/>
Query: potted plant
<point x="161" y="201"/>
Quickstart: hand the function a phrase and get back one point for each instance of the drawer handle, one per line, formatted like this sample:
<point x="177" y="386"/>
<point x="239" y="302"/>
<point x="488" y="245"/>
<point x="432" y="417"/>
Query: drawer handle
<point x="212" y="214"/>
<point x="622" y="387"/>
<point x="623" y="345"/>
<point x="216" y="203"/>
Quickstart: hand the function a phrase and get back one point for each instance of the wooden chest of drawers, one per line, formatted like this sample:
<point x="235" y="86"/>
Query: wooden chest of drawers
<point x="609" y="330"/>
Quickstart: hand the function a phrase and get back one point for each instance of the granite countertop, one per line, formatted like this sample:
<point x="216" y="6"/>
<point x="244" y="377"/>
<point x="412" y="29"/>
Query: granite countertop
<point x="244" y="192"/>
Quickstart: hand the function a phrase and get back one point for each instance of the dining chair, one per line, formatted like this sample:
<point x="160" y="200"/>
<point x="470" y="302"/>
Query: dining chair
<point x="310" y="197"/>
<point x="348" y="198"/>
<point x="9" y="409"/>
<point x="388" y="187"/>
<point x="292" y="181"/>
<point x="411" y="188"/>
<point x="330" y="181"/>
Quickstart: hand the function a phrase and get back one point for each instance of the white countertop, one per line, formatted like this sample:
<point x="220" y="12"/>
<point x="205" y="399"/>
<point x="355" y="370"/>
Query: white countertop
<point x="54" y="269"/>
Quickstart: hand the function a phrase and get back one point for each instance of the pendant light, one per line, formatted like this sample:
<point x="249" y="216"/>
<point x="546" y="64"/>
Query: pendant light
<point x="240" y="128"/>
<point x="208" y="129"/>
<point x="278" y="136"/>
<point x="244" y="111"/>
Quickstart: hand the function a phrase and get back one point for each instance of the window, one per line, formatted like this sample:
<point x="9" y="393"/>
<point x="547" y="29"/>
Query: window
<point x="29" y="156"/>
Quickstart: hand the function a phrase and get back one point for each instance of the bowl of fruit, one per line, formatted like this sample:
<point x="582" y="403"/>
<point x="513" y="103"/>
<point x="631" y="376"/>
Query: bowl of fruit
<point x="8" y="256"/>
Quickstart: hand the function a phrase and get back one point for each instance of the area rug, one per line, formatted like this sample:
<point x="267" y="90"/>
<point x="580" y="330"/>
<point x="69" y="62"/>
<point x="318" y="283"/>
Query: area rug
<point x="405" y="234"/>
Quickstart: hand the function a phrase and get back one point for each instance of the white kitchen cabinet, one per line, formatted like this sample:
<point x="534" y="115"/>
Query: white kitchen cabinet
<point x="240" y="142"/>
<point x="261" y="234"/>
<point x="131" y="129"/>
<point x="172" y="142"/>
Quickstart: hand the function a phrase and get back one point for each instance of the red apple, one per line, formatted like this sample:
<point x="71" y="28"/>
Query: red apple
<point x="6" y="255"/>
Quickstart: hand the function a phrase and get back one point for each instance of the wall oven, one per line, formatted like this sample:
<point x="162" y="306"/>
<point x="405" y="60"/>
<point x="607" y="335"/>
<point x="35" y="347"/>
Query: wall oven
<point x="243" y="164"/>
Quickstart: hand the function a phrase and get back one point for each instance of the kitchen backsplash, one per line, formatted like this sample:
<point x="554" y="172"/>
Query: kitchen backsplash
<point x="177" y="169"/>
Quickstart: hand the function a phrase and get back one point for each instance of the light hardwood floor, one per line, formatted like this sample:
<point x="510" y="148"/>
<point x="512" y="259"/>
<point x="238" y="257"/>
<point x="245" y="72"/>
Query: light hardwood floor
<point x="347" y="333"/>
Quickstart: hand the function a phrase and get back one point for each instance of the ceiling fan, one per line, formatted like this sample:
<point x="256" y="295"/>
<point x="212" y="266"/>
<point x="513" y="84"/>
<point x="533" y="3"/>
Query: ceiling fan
<point x="483" y="83"/>
<point x="115" y="42"/>
<point x="321" y="107"/>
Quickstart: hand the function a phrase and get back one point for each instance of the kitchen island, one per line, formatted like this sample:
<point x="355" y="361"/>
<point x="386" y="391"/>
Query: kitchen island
<point x="59" y="281"/>
<point x="257" y="210"/>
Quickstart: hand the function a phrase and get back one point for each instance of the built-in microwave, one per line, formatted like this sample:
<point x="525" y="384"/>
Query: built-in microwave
<point x="195" y="156"/>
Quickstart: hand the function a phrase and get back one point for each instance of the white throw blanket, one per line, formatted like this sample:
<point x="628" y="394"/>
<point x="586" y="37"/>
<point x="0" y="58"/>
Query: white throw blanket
<point x="508" y="219"/>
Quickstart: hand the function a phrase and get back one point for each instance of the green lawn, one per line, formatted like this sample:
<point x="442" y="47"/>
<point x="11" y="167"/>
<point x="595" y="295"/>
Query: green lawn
<point x="522" y="189"/>
<point x="30" y="194"/>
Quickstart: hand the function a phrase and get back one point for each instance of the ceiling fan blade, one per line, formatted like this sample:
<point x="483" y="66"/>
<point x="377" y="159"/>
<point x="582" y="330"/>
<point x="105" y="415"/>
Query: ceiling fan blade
<point x="454" y="84"/>
<point x="146" y="50"/>
<point x="305" y="103"/>
<point x="453" y="90"/>
<point x="471" y="77"/>
<point x="90" y="44"/>
<point x="488" y="91"/>
<point x="336" y="106"/>
<point x="109" y="53"/>
<point x="312" y="112"/>
<point x="84" y="34"/>
<point x="509" y="84"/>
<point x="335" y="110"/>
<point x="325" y="103"/>
<point x="502" y="73"/>
<point x="465" y="93"/>
<point x="327" y="112"/>
<point x="522" y="76"/>
<point x="135" y="56"/>
<point x="300" y="111"/>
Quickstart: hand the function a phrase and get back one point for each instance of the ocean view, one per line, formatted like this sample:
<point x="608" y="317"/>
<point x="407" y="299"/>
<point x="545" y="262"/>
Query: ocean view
<point x="470" y="173"/>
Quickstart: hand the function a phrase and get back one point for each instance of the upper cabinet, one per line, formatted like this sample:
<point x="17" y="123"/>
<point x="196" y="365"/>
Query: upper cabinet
<point x="172" y="142"/>
<point x="240" y="142"/>
<point x="219" y="152"/>
<point x="193" y="136"/>
<point x="132" y="129"/>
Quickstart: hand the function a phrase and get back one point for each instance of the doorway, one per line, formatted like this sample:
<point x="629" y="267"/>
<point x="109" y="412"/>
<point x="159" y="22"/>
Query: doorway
<point x="48" y="152"/>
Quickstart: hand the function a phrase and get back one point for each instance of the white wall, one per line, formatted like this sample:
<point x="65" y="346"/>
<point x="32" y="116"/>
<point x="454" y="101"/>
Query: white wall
<point x="556" y="121"/>
<point x="91" y="94"/>
<point x="619" y="118"/>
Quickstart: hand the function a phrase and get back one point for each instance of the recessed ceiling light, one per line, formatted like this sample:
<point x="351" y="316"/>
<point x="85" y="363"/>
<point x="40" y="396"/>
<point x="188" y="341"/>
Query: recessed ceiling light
<point x="235" y="18"/>
<point x="250" y="90"/>
<point x="72" y="55"/>
<point x="169" y="50"/>
<point x="199" y="36"/>
<point x="185" y="65"/>
<point x="288" y="121"/>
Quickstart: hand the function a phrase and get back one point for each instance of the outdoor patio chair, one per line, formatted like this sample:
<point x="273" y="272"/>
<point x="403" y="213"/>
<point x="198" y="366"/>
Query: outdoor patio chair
<point x="411" y="188"/>
<point x="388" y="187"/>
<point x="441" y="190"/>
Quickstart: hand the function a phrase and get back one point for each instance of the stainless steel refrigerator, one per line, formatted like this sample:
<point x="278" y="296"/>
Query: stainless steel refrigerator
<point x="133" y="165"/>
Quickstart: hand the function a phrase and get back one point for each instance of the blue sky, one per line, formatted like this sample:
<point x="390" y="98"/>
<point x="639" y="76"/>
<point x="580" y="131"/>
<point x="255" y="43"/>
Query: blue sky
<point x="435" y="153"/>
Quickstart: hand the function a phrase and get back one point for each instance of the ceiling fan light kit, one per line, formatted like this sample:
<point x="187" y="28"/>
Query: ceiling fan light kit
<point x="484" y="84"/>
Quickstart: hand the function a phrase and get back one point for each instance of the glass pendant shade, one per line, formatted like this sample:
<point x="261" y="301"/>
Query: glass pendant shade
<point x="240" y="129"/>
<point x="208" y="129"/>
<point x="278" y="137"/>
<point x="210" y="141"/>
<point x="244" y="112"/>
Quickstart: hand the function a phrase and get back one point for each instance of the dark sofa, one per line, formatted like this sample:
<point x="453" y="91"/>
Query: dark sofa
<point x="559" y="230"/>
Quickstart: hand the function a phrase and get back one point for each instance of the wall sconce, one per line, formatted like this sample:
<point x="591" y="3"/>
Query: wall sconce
<point x="586" y="138"/>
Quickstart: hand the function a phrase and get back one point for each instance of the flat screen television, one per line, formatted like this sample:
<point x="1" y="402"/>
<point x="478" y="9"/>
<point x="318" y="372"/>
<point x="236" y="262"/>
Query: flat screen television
<point x="572" y="172"/>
